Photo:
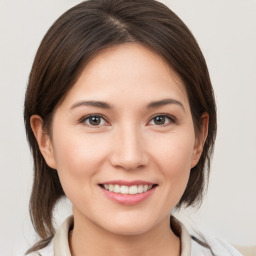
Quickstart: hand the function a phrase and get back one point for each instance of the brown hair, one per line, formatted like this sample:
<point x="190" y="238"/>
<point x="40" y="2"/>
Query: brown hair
<point x="77" y="36"/>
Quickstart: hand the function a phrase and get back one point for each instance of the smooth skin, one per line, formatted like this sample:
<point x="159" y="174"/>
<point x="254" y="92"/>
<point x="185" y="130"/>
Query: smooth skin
<point x="126" y="118"/>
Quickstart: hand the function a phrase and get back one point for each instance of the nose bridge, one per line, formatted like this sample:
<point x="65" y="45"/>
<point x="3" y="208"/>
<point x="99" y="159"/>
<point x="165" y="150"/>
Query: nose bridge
<point x="129" y="152"/>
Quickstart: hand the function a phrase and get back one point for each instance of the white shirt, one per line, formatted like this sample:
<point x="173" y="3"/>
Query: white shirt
<point x="59" y="246"/>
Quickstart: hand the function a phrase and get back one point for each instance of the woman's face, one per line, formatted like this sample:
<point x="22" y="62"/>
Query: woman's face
<point x="123" y="141"/>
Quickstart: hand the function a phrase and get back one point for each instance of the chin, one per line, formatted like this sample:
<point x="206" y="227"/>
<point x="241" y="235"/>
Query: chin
<point x="130" y="226"/>
<point x="129" y="230"/>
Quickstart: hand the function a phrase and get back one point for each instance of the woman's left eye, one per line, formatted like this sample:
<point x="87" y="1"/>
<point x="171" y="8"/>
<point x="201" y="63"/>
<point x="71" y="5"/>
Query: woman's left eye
<point x="161" y="120"/>
<point x="94" y="120"/>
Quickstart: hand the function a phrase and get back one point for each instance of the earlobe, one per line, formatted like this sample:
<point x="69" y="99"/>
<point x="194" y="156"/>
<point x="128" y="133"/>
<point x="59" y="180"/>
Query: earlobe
<point x="200" y="139"/>
<point x="43" y="140"/>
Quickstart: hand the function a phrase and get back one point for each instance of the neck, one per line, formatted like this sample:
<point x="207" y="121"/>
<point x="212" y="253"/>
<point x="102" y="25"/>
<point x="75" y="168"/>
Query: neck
<point x="87" y="238"/>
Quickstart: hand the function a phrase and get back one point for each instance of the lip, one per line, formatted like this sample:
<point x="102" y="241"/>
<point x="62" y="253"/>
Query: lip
<point x="127" y="199"/>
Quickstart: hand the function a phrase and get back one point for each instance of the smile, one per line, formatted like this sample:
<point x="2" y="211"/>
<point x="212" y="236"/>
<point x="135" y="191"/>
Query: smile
<point x="127" y="190"/>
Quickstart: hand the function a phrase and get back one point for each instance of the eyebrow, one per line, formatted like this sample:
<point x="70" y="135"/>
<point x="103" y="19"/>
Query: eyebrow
<point x="156" y="104"/>
<point x="104" y="105"/>
<point x="92" y="103"/>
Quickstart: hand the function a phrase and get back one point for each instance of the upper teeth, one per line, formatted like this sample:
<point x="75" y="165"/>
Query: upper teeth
<point x="132" y="190"/>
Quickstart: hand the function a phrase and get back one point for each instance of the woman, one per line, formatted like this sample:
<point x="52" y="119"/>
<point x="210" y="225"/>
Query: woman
<point x="120" y="116"/>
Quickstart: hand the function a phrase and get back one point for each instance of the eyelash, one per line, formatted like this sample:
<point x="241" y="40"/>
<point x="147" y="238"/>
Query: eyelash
<point x="87" y="118"/>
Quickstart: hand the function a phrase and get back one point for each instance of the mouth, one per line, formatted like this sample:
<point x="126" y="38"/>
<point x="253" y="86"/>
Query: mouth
<point x="128" y="190"/>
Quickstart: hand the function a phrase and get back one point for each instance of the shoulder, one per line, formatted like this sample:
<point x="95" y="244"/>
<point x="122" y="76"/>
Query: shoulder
<point x="214" y="246"/>
<point x="59" y="244"/>
<point x="204" y="245"/>
<point x="46" y="251"/>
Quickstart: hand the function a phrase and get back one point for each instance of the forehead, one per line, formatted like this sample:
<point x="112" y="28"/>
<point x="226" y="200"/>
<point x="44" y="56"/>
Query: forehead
<point x="127" y="70"/>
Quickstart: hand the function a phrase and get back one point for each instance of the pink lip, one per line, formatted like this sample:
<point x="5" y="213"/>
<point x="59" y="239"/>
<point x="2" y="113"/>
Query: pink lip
<point x="127" y="199"/>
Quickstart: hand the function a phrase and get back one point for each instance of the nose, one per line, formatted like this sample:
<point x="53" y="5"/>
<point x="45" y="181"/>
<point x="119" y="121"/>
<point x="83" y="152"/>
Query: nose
<point x="129" y="149"/>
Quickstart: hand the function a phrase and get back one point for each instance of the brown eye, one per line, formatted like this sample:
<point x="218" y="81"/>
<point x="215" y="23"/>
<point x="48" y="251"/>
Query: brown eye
<point x="94" y="120"/>
<point x="161" y="120"/>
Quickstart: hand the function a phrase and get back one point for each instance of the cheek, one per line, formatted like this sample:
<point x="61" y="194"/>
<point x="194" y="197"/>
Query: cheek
<point x="173" y="157"/>
<point x="78" y="158"/>
<point x="176" y="167"/>
<point x="174" y="152"/>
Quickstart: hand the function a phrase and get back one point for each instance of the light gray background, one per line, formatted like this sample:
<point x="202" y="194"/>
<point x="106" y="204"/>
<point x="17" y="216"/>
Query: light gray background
<point x="226" y="32"/>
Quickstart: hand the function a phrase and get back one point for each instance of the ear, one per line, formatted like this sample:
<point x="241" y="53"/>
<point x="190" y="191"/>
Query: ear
<point x="200" y="139"/>
<point x="43" y="140"/>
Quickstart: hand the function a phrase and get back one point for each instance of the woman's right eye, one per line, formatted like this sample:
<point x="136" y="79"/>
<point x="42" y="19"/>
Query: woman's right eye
<point x="94" y="120"/>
